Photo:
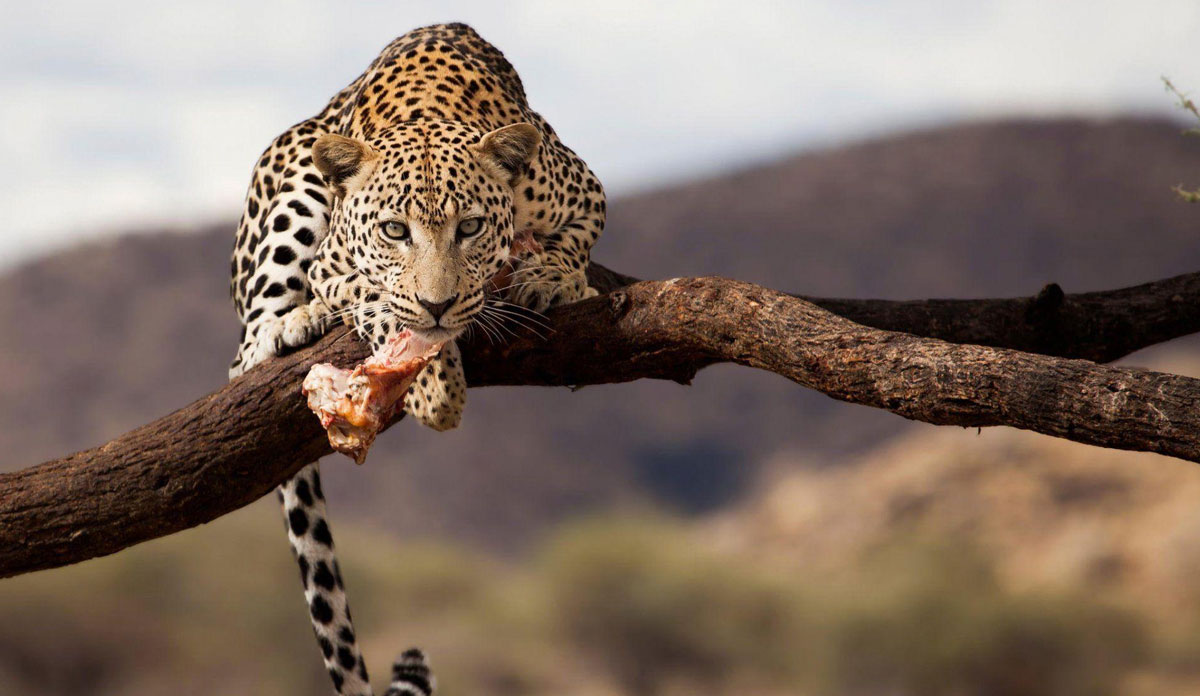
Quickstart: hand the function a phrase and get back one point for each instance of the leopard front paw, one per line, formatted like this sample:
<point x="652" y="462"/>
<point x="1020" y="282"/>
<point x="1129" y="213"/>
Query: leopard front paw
<point x="299" y="327"/>
<point x="541" y="287"/>
<point x="437" y="397"/>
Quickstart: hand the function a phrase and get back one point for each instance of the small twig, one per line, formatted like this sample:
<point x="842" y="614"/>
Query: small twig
<point x="1185" y="103"/>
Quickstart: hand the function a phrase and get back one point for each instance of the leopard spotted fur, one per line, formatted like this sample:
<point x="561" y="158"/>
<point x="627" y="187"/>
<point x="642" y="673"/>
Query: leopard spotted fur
<point x="397" y="207"/>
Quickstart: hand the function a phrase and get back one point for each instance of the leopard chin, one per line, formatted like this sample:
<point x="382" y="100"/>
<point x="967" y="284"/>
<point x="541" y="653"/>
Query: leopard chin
<point x="438" y="334"/>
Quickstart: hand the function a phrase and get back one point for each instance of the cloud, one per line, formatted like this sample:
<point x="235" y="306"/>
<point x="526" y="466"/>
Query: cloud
<point x="125" y="112"/>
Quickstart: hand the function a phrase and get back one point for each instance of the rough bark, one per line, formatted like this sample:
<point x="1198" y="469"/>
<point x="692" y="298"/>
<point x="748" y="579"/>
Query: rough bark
<point x="1099" y="326"/>
<point x="231" y="447"/>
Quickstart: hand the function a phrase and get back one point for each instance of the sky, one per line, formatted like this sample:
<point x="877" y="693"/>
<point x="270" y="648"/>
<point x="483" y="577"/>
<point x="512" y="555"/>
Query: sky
<point x="127" y="114"/>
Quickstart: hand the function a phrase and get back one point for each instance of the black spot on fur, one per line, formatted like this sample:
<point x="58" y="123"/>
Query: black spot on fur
<point x="346" y="658"/>
<point x="283" y="255"/>
<point x="303" y="492"/>
<point x="303" y="570"/>
<point x="323" y="576"/>
<point x="320" y="610"/>
<point x="321" y="533"/>
<point x="305" y="236"/>
<point x="298" y="521"/>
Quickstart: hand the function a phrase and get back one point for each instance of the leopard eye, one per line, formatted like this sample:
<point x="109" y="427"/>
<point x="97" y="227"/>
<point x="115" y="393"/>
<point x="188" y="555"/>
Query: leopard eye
<point x="394" y="230"/>
<point x="470" y="227"/>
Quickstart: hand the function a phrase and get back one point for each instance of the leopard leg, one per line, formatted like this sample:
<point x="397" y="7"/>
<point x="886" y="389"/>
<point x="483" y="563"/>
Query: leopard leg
<point x="438" y="395"/>
<point x="271" y="336"/>
<point x="557" y="274"/>
<point x="548" y="279"/>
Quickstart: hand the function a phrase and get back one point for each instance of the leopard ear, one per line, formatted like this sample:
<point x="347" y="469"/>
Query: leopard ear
<point x="505" y="152"/>
<point x="344" y="162"/>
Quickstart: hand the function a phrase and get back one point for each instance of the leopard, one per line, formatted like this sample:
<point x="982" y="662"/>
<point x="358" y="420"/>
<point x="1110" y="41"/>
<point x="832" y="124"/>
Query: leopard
<point x="426" y="197"/>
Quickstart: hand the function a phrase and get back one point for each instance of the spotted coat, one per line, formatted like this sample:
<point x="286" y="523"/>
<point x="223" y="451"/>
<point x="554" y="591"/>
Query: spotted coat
<point x="399" y="206"/>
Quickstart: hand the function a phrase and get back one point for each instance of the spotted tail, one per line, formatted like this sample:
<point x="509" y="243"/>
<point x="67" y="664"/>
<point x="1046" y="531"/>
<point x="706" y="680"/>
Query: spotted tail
<point x="312" y="544"/>
<point x="411" y="675"/>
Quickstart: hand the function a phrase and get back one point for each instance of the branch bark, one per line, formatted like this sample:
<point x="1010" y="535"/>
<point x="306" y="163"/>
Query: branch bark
<point x="233" y="446"/>
<point x="1097" y="326"/>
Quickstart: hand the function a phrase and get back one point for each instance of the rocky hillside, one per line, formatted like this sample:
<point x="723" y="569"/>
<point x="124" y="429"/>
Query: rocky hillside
<point x="101" y="338"/>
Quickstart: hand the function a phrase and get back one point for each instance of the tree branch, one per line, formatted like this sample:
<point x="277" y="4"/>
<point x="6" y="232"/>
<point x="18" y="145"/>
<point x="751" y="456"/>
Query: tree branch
<point x="1098" y="326"/>
<point x="233" y="446"/>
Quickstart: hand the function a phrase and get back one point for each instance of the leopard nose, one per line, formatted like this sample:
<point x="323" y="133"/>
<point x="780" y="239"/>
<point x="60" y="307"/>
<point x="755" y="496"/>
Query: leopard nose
<point x="436" y="309"/>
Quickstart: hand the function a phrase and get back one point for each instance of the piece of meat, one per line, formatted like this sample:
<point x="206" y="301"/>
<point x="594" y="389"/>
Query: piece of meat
<point x="354" y="405"/>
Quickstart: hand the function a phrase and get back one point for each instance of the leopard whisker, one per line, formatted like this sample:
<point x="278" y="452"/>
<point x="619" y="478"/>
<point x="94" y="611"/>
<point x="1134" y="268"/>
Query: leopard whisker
<point x="519" y="319"/>
<point x="487" y="328"/>
<point x="521" y="310"/>
<point x="497" y="322"/>
<point x="524" y="322"/>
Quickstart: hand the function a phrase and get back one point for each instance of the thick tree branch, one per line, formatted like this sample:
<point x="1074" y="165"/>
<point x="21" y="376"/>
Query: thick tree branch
<point x="230" y="448"/>
<point x="1098" y="326"/>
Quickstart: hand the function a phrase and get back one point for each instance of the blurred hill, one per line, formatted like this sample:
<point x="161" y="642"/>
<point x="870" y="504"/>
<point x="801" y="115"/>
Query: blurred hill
<point x="1054" y="515"/>
<point x="102" y="338"/>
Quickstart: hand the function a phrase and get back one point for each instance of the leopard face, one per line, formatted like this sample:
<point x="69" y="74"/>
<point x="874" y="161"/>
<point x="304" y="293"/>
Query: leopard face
<point x="425" y="218"/>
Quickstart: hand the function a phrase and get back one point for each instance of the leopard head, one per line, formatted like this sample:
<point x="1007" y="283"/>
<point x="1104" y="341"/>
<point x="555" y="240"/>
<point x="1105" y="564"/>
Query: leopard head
<point x="425" y="212"/>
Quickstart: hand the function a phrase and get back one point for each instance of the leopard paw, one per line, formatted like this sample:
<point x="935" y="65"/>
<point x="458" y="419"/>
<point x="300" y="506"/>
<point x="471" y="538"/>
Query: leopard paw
<point x="437" y="397"/>
<point x="541" y="287"/>
<point x="299" y="327"/>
